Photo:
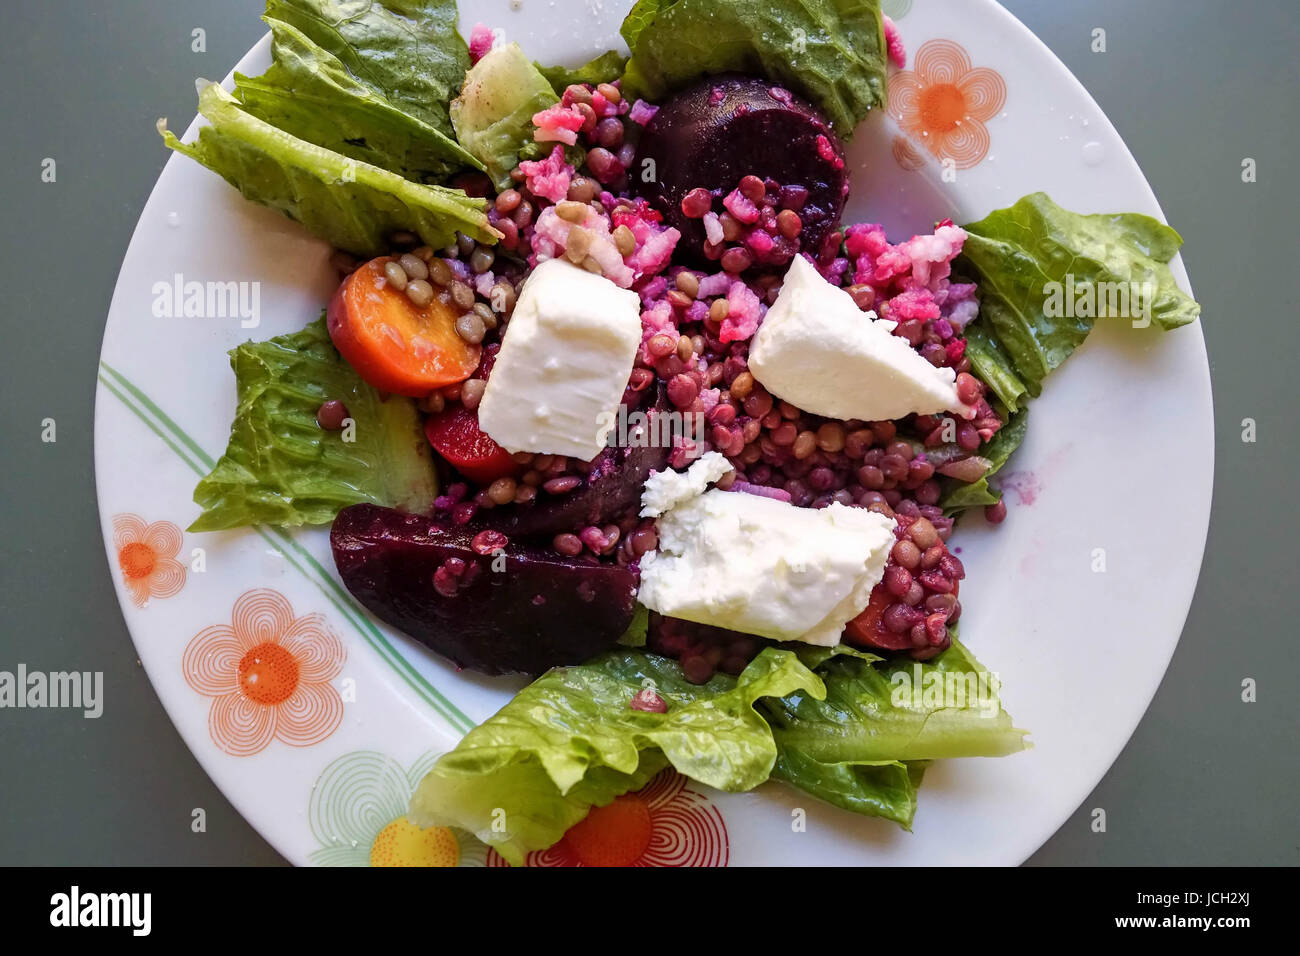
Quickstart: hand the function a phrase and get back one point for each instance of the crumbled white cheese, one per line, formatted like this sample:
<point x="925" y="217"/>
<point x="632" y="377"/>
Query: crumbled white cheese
<point x="564" y="363"/>
<point x="816" y="349"/>
<point x="766" y="567"/>
<point x="665" y="490"/>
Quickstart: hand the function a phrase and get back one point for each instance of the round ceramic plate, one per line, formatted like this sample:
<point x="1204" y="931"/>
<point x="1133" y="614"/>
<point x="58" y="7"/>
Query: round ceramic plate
<point x="323" y="768"/>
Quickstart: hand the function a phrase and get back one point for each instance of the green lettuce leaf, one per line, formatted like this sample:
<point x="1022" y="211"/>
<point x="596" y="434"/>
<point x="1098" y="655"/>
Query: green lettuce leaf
<point x="958" y="495"/>
<point x="1016" y="252"/>
<point x="813" y="656"/>
<point x="494" y="113"/>
<point x="569" y="742"/>
<point x="993" y="366"/>
<point x="865" y="745"/>
<point x="830" y="51"/>
<point x="282" y="468"/>
<point x="310" y="94"/>
<point x="352" y="205"/>
<point x="887" y="789"/>
<point x="638" y="631"/>
<point x="871" y="715"/>
<point x="1026" y="259"/>
<point x="606" y="68"/>
<point x="407" y="52"/>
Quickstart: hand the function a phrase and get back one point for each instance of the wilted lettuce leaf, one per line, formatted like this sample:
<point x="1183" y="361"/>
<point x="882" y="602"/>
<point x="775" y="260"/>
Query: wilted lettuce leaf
<point x="830" y="51"/>
<point x="569" y="741"/>
<point x="1015" y="252"/>
<point x="406" y="51"/>
<point x="605" y="68"/>
<point x="310" y="94"/>
<point x="959" y="495"/>
<point x="865" y="718"/>
<point x="282" y="468"/>
<point x="494" y="113"/>
<point x="353" y="205"/>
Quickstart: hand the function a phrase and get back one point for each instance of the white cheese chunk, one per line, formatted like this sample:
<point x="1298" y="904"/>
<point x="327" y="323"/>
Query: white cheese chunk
<point x="816" y="349"/>
<point x="665" y="490"/>
<point x="765" y="567"/>
<point x="564" y="362"/>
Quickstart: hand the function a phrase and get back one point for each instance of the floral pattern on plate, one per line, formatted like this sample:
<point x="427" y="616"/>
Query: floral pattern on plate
<point x="943" y="104"/>
<point x="358" y="815"/>
<point x="269" y="675"/>
<point x="146" y="556"/>
<point x="662" y="824"/>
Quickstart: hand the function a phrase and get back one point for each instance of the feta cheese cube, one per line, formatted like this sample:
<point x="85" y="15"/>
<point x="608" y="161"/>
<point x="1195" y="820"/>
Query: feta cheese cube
<point x="816" y="349"/>
<point x="766" y="567"/>
<point x="564" y="362"/>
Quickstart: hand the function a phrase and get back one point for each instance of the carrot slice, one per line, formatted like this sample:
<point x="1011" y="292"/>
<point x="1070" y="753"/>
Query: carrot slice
<point x="393" y="344"/>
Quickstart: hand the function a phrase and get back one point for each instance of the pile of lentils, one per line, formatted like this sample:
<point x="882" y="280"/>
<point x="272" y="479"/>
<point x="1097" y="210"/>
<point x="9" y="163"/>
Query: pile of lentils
<point x="885" y="466"/>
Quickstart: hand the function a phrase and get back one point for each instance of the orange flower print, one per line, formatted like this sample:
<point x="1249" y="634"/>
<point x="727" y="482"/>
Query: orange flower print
<point x="663" y="824"/>
<point x="944" y="102"/>
<point x="269" y="673"/>
<point x="146" y="555"/>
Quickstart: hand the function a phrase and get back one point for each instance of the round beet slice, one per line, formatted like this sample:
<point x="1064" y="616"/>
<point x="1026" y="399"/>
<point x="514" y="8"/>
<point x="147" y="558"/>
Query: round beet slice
<point x="727" y="127"/>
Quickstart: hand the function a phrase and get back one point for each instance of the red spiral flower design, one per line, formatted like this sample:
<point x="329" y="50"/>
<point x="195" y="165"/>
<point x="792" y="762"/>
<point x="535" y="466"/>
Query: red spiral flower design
<point x="146" y="556"/>
<point x="269" y="673"/>
<point x="663" y="824"/>
<point x="943" y="104"/>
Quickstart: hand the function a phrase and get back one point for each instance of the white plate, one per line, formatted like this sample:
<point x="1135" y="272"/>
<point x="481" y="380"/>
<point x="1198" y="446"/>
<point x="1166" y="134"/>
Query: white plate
<point x="1119" y="458"/>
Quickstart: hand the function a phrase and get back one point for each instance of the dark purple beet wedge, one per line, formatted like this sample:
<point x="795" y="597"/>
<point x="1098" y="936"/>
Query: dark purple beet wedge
<point x="523" y="613"/>
<point x="715" y="133"/>
<point x="611" y="489"/>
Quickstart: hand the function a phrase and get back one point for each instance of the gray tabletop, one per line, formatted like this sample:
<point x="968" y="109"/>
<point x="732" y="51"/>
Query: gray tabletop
<point x="1194" y="86"/>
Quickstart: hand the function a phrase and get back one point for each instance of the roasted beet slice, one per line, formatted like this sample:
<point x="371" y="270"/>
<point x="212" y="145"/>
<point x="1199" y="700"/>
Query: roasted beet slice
<point x="535" y="611"/>
<point x="609" y="491"/>
<point x="724" y="128"/>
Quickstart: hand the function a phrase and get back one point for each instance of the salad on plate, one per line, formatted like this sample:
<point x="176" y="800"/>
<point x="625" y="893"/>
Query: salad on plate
<point x="611" y="395"/>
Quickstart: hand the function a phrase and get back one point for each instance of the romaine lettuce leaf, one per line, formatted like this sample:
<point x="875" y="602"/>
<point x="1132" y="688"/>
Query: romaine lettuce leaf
<point x="493" y="115"/>
<point x="569" y="741"/>
<point x="813" y="656"/>
<point x="900" y="711"/>
<point x="887" y="789"/>
<point x="1016" y="252"/>
<point x="310" y="94"/>
<point x="992" y="365"/>
<point x="958" y="495"/>
<point x="353" y="205"/>
<point x="282" y="468"/>
<point x="605" y="68"/>
<point x="830" y="51"/>
<point x="407" y="51"/>
<point x="638" y="630"/>
<point x="846" y="734"/>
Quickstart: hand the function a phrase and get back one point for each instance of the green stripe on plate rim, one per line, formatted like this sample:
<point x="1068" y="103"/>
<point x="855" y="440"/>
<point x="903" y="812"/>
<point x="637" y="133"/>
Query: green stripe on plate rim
<point x="193" y="455"/>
